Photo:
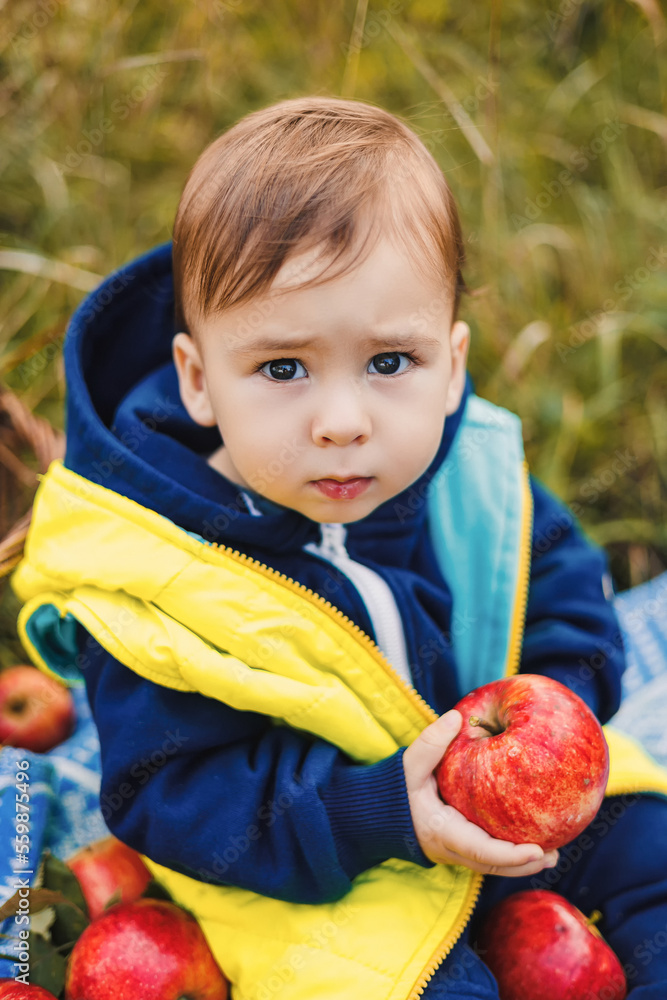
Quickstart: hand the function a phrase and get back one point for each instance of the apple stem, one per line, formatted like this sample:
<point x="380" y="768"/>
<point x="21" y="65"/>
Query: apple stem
<point x="594" y="918"/>
<point x="475" y="720"/>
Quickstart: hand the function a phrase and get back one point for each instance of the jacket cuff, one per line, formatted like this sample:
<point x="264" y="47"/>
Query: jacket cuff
<point x="369" y="813"/>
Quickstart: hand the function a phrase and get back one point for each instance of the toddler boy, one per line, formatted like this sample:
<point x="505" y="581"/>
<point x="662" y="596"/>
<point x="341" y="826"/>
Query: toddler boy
<point x="286" y="538"/>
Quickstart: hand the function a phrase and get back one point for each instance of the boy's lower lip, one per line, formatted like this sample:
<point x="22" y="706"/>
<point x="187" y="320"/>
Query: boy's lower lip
<point x="335" y="490"/>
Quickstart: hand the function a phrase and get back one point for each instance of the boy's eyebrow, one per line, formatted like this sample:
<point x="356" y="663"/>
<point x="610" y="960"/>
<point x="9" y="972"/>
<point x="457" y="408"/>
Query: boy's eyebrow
<point x="389" y="342"/>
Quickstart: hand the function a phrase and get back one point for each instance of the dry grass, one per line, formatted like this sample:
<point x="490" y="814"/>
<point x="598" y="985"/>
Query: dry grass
<point x="549" y="124"/>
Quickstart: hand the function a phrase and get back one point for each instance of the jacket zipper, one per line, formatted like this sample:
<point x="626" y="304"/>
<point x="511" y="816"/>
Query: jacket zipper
<point x="371" y="647"/>
<point x="375" y="593"/>
<point x="513" y="661"/>
<point x="413" y="696"/>
<point x="511" y="667"/>
<point x="523" y="577"/>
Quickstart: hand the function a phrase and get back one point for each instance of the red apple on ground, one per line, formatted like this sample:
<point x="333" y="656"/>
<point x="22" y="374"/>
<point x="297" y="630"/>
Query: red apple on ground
<point x="540" y="947"/>
<point x="36" y="712"/>
<point x="150" y="949"/>
<point x="11" y="990"/>
<point x="105" y="868"/>
<point x="529" y="764"/>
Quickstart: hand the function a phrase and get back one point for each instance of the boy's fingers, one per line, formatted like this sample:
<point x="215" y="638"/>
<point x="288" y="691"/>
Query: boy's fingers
<point x="511" y="871"/>
<point x="470" y="841"/>
<point x="427" y="750"/>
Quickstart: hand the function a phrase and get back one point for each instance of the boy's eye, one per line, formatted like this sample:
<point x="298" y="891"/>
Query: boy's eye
<point x="285" y="369"/>
<point x="282" y="369"/>
<point x="389" y="364"/>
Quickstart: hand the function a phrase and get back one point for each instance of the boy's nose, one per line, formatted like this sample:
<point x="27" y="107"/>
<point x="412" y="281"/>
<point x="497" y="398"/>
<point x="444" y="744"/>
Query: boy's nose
<point x="341" y="419"/>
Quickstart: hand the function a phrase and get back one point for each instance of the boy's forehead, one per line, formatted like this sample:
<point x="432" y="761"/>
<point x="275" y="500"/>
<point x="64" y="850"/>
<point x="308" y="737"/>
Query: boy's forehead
<point x="427" y="305"/>
<point x="305" y="265"/>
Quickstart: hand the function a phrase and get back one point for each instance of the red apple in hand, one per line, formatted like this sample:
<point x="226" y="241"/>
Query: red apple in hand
<point x="540" y="947"/>
<point x="146" y="950"/>
<point x="106" y="868"/>
<point x="36" y="712"/>
<point x="11" y="990"/>
<point x="529" y="764"/>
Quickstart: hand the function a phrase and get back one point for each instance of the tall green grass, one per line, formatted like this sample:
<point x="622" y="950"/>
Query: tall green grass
<point x="548" y="122"/>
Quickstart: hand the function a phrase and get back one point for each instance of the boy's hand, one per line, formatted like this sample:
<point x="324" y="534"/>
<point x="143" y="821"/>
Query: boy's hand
<point x="444" y="834"/>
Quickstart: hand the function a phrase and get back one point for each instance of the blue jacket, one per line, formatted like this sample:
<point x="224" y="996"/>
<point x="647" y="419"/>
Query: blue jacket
<point x="183" y="774"/>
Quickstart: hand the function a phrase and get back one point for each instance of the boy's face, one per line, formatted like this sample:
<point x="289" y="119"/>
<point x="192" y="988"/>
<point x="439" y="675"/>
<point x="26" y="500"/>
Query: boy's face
<point x="348" y="379"/>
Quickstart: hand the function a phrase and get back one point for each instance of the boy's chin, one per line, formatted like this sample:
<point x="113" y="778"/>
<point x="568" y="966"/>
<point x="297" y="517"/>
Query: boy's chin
<point x="337" y="512"/>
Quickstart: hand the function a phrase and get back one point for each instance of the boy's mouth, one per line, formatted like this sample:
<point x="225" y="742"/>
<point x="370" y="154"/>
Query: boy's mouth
<point x="342" y="489"/>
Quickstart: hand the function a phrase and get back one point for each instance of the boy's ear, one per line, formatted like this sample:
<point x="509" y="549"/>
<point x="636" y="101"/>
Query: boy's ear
<point x="459" y="338"/>
<point x="191" y="380"/>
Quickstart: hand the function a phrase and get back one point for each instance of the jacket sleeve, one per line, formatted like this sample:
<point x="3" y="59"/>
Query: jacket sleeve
<point x="572" y="633"/>
<point x="230" y="797"/>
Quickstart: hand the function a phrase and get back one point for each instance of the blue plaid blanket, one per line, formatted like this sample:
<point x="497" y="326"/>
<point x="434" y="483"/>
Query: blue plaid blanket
<point x="64" y="784"/>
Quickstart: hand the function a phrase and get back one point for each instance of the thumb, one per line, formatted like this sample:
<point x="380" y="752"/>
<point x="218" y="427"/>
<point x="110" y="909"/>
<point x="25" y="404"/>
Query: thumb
<point x="425" y="753"/>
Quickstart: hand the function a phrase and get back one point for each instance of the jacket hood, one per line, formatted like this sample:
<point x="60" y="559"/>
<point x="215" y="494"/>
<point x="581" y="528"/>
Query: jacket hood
<point x="128" y="430"/>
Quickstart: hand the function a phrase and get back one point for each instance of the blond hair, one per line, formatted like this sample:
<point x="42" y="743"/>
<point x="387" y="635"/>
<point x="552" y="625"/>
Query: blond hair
<point x="305" y="173"/>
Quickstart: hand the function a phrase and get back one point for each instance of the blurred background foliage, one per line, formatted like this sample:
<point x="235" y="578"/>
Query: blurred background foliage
<point x="547" y="119"/>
